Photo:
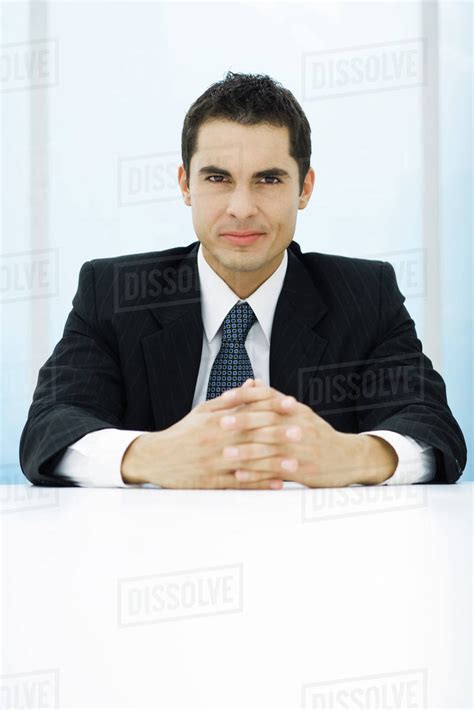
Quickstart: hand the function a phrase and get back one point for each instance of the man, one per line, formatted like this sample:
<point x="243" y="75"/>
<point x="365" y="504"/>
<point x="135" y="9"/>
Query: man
<point x="238" y="361"/>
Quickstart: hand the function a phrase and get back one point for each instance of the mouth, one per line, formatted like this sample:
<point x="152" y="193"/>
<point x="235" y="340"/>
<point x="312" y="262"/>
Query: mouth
<point x="242" y="238"/>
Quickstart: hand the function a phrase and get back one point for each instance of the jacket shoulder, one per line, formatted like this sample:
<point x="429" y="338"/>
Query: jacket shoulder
<point x="324" y="261"/>
<point x="347" y="276"/>
<point x="122" y="259"/>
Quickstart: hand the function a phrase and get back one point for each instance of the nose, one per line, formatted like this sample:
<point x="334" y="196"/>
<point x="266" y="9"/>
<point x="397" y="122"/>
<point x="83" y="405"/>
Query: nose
<point x="241" y="204"/>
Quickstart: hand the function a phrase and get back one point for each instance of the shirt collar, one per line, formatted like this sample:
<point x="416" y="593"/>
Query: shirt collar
<point x="217" y="298"/>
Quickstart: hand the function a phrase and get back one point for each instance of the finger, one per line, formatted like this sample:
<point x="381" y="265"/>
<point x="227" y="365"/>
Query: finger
<point x="272" y="435"/>
<point x="252" y="394"/>
<point x="276" y="466"/>
<point x="249" y="383"/>
<point x="258" y="397"/>
<point x="241" y="395"/>
<point x="268" y="457"/>
<point x="237" y="453"/>
<point x="270" y="484"/>
<point x="230" y="481"/>
<point x="251" y="478"/>
<point x="227" y="399"/>
<point x="245" y="420"/>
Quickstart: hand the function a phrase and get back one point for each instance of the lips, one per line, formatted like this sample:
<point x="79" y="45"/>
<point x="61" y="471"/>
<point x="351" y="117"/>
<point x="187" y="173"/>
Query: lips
<point x="246" y="233"/>
<point x="242" y="238"/>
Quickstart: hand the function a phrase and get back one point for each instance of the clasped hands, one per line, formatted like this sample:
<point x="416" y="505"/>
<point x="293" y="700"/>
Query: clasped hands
<point x="279" y="438"/>
<point x="263" y="438"/>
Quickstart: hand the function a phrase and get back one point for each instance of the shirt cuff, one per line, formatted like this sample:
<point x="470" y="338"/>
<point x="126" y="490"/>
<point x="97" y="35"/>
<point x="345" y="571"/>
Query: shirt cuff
<point x="416" y="459"/>
<point x="96" y="458"/>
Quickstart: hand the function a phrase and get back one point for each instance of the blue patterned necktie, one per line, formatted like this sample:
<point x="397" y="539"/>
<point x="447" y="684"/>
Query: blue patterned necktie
<point x="232" y="365"/>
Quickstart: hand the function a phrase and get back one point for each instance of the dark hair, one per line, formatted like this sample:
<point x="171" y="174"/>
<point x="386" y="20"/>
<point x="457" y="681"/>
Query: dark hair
<point x="249" y="99"/>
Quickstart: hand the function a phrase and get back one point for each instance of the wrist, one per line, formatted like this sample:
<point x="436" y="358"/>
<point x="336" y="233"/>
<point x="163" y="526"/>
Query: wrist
<point x="377" y="460"/>
<point x="134" y="461"/>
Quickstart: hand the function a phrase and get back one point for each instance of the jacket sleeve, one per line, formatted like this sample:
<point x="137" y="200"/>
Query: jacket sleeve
<point x="416" y="405"/>
<point x="79" y="390"/>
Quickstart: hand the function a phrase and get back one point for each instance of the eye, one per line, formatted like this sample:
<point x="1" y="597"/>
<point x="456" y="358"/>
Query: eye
<point x="267" y="177"/>
<point x="271" y="177"/>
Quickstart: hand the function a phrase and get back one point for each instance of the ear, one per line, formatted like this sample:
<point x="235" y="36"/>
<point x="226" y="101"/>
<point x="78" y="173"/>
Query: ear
<point x="183" y="185"/>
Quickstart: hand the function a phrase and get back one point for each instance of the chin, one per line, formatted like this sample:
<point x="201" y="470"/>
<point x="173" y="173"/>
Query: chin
<point x="242" y="262"/>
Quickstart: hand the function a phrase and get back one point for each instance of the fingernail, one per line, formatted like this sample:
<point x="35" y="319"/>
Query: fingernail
<point x="242" y="475"/>
<point x="227" y="421"/>
<point x="230" y="452"/>
<point x="294" y="432"/>
<point x="289" y="464"/>
<point x="287" y="402"/>
<point x="276" y="485"/>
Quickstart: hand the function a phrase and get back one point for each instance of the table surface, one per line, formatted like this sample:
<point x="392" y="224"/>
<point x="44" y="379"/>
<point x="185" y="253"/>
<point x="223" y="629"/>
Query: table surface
<point x="300" y="598"/>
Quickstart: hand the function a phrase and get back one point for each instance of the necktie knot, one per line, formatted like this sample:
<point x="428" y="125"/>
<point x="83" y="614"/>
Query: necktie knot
<point x="238" y="322"/>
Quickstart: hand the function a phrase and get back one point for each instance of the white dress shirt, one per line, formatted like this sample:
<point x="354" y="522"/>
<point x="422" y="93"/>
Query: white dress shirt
<point x="95" y="459"/>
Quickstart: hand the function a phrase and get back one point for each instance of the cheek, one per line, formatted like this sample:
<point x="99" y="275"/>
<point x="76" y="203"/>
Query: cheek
<point x="282" y="217"/>
<point x="206" y="208"/>
<point x="281" y="207"/>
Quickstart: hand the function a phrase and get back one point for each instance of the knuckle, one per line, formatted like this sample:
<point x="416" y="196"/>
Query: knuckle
<point x="270" y="404"/>
<point x="266" y="451"/>
<point x="277" y="435"/>
<point x="274" y="416"/>
<point x="241" y="420"/>
<point x="246" y="451"/>
<point x="207" y="419"/>
<point x="276" y="467"/>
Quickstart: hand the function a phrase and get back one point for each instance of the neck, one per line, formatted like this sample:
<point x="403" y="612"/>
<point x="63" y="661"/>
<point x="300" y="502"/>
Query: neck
<point x="243" y="283"/>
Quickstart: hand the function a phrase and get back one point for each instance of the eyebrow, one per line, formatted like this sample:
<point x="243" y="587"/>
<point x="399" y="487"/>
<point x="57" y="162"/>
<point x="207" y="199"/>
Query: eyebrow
<point x="213" y="169"/>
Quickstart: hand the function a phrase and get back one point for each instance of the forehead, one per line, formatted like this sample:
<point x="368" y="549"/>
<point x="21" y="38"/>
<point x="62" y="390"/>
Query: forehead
<point x="226" y="143"/>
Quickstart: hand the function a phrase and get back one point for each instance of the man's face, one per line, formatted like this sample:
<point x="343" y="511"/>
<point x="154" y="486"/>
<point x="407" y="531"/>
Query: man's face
<point x="227" y="194"/>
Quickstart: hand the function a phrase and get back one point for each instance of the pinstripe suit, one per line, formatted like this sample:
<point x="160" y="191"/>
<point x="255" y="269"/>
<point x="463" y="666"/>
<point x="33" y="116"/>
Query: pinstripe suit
<point x="342" y="342"/>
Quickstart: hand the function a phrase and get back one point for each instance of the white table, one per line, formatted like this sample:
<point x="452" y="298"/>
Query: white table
<point x="299" y="598"/>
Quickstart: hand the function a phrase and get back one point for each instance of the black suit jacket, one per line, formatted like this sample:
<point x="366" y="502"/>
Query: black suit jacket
<point x="342" y="341"/>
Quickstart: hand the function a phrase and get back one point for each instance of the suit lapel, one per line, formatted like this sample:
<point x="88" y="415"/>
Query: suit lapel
<point x="295" y="348"/>
<point x="173" y="353"/>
